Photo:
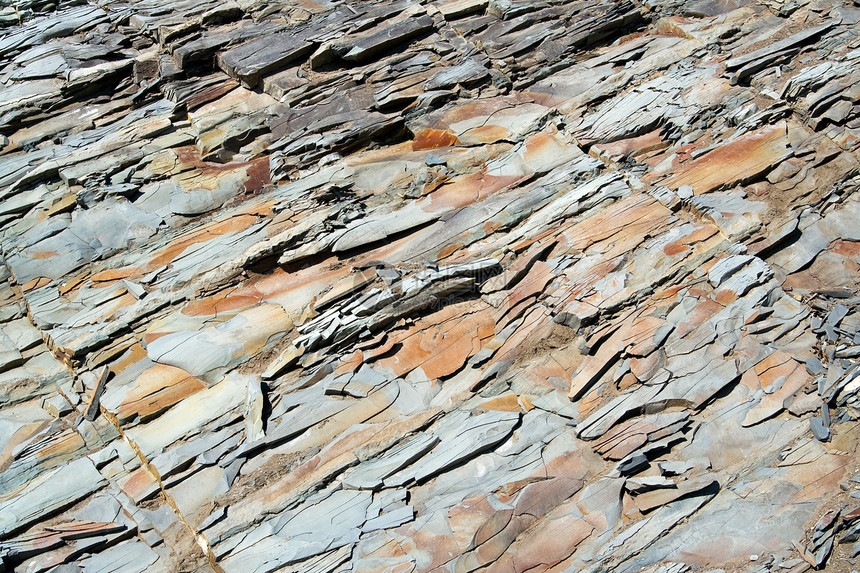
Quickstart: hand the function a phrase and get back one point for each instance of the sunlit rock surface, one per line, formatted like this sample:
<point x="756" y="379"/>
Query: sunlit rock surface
<point x="412" y="286"/>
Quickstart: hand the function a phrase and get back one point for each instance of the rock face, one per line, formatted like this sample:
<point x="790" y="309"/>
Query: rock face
<point x="420" y="285"/>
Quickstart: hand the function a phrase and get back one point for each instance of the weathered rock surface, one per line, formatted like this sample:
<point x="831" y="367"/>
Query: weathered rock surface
<point x="429" y="285"/>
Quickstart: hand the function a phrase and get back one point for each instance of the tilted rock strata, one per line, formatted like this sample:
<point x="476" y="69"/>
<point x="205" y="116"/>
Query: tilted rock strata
<point x="448" y="285"/>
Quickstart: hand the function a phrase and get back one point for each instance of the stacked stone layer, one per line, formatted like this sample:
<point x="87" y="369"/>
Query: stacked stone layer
<point x="458" y="285"/>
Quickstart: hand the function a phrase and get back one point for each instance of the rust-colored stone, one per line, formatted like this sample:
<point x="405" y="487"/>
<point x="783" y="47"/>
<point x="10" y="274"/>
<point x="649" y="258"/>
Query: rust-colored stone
<point x="434" y="139"/>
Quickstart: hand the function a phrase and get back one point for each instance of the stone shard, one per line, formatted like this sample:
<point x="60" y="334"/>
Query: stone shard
<point x="257" y="57"/>
<point x="93" y="405"/>
<point x="49" y="494"/>
<point x="371" y="45"/>
<point x="739" y="161"/>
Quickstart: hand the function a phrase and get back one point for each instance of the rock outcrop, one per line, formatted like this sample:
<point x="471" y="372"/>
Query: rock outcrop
<point x="413" y="286"/>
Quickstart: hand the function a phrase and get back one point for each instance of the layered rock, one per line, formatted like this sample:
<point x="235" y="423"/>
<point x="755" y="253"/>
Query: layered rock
<point x="448" y="285"/>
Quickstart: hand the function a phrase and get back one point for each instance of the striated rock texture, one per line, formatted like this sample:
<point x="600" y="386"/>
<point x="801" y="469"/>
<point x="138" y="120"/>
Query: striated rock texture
<point x="413" y="286"/>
